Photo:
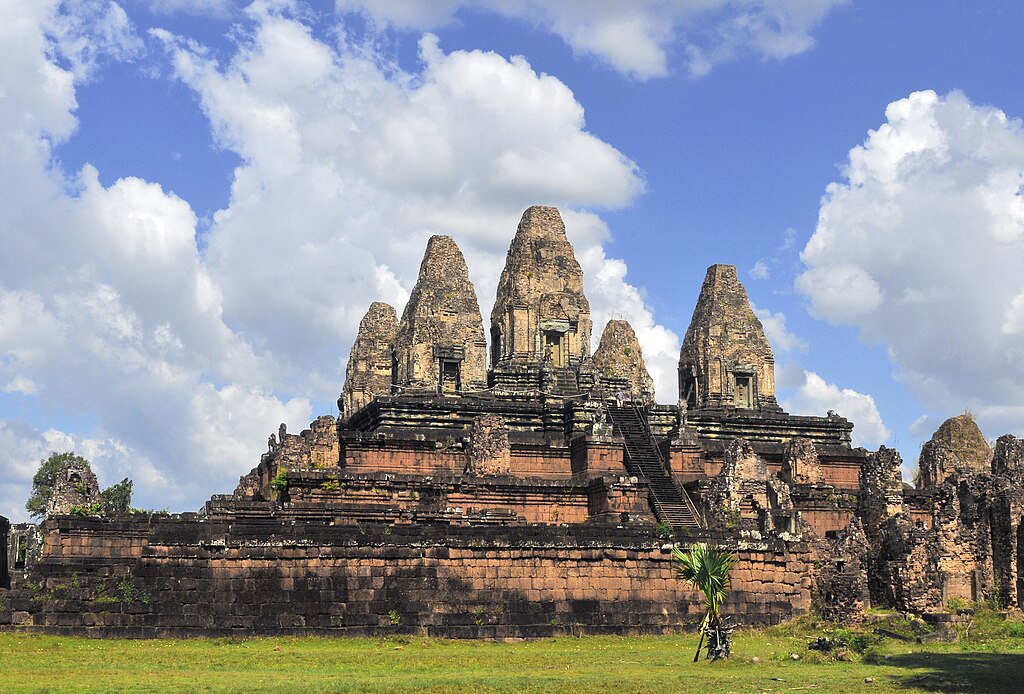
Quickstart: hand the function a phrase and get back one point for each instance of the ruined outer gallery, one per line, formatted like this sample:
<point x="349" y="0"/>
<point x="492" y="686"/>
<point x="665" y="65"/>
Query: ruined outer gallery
<point x="532" y="488"/>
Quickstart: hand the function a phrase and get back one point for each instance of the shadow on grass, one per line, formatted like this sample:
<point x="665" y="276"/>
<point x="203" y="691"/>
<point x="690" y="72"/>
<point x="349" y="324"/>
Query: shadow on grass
<point x="960" y="672"/>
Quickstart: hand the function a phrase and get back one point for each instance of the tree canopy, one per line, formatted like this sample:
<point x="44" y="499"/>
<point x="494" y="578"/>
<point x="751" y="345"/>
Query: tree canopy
<point x="46" y="477"/>
<point x="116" y="499"/>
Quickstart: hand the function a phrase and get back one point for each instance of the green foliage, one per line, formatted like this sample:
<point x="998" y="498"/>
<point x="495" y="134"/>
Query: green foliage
<point x="958" y="606"/>
<point x="130" y="593"/>
<point x="280" y="481"/>
<point x="480" y="615"/>
<point x="117" y="499"/>
<point x="70" y="584"/>
<point x="664" y="530"/>
<point x="46" y="477"/>
<point x="149" y="511"/>
<point x="993" y="598"/>
<point x="331" y="486"/>
<point x="394" y="618"/>
<point x="87" y="510"/>
<point x="707" y="569"/>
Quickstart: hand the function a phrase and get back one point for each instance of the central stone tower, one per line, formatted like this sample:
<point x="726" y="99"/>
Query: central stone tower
<point x="540" y="324"/>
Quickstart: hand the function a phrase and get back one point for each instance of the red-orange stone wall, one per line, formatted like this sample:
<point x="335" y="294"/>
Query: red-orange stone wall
<point x="245" y="576"/>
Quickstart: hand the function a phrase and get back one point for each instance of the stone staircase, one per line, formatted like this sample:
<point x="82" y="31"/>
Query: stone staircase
<point x="563" y="382"/>
<point x="670" y="502"/>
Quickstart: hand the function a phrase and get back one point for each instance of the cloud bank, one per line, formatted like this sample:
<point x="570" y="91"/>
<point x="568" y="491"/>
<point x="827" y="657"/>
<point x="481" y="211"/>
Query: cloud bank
<point x="921" y="247"/>
<point x="639" y="39"/>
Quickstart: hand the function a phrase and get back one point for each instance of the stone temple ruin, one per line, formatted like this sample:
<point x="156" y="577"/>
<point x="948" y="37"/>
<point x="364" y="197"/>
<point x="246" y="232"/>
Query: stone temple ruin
<point x="532" y="489"/>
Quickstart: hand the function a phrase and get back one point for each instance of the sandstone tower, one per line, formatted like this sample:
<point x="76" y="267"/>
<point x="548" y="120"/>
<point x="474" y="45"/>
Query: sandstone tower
<point x="369" y="363"/>
<point x="956" y="446"/>
<point x="619" y="362"/>
<point x="726" y="360"/>
<point x="540" y="324"/>
<point x="439" y="346"/>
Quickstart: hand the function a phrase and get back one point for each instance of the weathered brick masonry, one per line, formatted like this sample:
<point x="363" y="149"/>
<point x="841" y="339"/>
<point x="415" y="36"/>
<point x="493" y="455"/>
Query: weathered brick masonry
<point x="186" y="575"/>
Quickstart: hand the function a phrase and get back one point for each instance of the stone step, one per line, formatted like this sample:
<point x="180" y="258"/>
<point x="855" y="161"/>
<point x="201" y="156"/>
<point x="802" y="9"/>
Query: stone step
<point x="668" y="500"/>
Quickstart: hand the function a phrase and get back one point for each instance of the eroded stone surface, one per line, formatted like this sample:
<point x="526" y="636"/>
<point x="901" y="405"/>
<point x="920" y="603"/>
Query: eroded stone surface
<point x="841" y="585"/>
<point x="958" y="444"/>
<point x="369" y="363"/>
<point x="440" y="345"/>
<point x="881" y="489"/>
<point x="1008" y="459"/>
<point x="619" y="362"/>
<point x="746" y="499"/>
<point x="489" y="452"/>
<point x="726" y="360"/>
<point x="541" y="315"/>
<point x="800" y="463"/>
<point x="73" y="487"/>
<point x="317" y="447"/>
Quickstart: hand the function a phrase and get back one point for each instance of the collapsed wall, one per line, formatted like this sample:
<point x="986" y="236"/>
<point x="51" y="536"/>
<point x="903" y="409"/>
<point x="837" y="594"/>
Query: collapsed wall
<point x="957" y="536"/>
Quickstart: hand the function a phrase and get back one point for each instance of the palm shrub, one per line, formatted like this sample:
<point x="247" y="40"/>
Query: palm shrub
<point x="707" y="569"/>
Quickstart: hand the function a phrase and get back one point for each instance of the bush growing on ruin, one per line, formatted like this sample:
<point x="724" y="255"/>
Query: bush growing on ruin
<point x="46" y="477"/>
<point x="116" y="499"/>
<point x="707" y="569"/>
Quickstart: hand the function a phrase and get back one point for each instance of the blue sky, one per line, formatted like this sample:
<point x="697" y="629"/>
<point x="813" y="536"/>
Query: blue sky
<point x="202" y="198"/>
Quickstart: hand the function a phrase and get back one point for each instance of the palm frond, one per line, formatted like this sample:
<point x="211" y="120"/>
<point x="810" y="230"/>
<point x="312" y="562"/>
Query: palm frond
<point x="707" y="569"/>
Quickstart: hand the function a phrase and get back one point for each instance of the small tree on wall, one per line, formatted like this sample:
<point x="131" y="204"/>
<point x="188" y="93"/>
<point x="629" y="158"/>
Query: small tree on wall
<point x="707" y="569"/>
<point x="46" y="477"/>
<point x="116" y="499"/>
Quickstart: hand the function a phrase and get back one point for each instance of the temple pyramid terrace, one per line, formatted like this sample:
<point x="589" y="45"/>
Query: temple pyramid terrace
<point x="526" y="488"/>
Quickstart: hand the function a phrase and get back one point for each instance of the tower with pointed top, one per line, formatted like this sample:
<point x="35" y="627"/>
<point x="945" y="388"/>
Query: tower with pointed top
<point x="540" y="324"/>
<point x="369" y="363"/>
<point x="726" y="361"/>
<point x="439" y="346"/>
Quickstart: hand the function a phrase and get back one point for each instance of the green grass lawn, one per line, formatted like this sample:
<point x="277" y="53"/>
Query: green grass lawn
<point x="990" y="660"/>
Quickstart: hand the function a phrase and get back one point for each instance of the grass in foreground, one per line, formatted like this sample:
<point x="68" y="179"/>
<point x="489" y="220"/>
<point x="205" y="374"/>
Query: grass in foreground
<point x="990" y="659"/>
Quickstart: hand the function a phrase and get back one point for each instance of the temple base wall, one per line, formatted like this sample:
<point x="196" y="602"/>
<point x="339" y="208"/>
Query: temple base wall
<point x="197" y="577"/>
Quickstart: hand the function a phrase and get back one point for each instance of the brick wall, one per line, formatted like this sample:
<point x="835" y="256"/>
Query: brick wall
<point x="204" y="576"/>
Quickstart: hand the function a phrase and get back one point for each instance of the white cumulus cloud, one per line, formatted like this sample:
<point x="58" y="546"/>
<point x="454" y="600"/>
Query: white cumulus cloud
<point x="921" y="247"/>
<point x="781" y="339"/>
<point x="107" y="312"/>
<point x="639" y="38"/>
<point x="810" y="394"/>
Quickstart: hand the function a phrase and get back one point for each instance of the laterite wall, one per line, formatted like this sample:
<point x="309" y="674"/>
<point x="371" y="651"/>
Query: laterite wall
<point x="193" y="576"/>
